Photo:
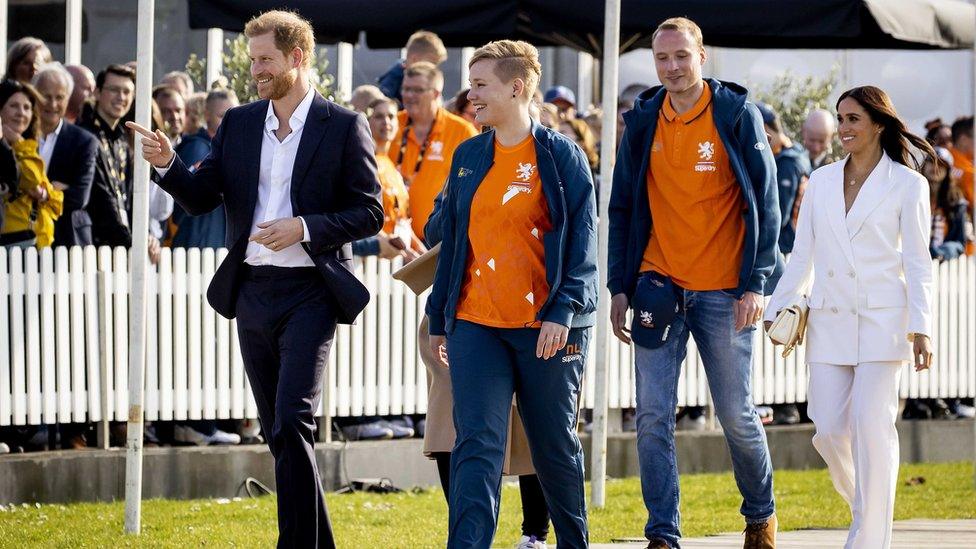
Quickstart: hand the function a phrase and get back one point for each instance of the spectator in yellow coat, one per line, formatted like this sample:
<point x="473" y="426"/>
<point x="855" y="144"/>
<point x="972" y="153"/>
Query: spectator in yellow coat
<point x="32" y="208"/>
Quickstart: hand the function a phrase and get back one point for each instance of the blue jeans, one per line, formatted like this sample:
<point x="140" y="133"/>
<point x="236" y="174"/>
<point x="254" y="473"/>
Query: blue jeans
<point x="489" y="365"/>
<point x="727" y="358"/>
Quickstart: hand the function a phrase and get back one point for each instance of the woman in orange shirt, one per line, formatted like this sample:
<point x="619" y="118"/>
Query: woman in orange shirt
<point x="514" y="297"/>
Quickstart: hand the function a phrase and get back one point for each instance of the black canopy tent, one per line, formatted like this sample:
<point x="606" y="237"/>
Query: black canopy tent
<point x="806" y="24"/>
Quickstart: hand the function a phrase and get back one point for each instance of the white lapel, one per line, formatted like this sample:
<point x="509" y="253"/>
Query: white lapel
<point x="834" y="205"/>
<point x="875" y="188"/>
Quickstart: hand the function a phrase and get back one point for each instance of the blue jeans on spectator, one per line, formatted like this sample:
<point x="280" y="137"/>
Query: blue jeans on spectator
<point x="727" y="359"/>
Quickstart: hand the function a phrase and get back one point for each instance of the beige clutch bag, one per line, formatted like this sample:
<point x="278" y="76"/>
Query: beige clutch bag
<point x="419" y="273"/>
<point x="790" y="325"/>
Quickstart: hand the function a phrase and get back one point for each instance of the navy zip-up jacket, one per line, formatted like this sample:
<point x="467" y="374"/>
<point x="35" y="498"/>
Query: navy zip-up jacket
<point x="570" y="247"/>
<point x="740" y="128"/>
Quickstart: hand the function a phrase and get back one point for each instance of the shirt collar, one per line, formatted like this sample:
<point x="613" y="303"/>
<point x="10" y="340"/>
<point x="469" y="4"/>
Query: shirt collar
<point x="670" y="114"/>
<point x="297" y="120"/>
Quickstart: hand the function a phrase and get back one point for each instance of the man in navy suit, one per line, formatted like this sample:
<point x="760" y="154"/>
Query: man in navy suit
<point x="297" y="179"/>
<point x="69" y="155"/>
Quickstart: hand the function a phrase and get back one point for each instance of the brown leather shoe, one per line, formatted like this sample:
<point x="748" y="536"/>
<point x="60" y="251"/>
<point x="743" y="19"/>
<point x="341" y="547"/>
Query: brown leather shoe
<point x="658" y="543"/>
<point x="761" y="535"/>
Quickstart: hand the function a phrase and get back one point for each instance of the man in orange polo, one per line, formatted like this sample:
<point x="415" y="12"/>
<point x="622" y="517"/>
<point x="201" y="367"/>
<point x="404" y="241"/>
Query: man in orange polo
<point x="425" y="142"/>
<point x="694" y="221"/>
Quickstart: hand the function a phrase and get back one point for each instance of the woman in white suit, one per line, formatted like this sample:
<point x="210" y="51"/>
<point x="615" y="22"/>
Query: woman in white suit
<point x="862" y="256"/>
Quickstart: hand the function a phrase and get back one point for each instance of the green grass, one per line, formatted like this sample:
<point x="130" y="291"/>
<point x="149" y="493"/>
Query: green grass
<point x="805" y="499"/>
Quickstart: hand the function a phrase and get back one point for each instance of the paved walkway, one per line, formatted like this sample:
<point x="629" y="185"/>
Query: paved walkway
<point x="909" y="534"/>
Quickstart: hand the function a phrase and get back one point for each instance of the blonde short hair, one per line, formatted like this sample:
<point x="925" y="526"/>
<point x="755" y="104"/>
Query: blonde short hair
<point x="434" y="76"/>
<point x="290" y="31"/>
<point x="682" y="24"/>
<point x="513" y="59"/>
<point x="427" y="45"/>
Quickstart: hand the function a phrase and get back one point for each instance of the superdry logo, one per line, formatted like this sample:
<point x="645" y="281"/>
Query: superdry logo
<point x="706" y="150"/>
<point x="574" y="351"/>
<point x="514" y="188"/>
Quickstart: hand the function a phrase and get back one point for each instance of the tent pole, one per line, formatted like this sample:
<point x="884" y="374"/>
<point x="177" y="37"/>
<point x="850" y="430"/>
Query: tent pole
<point x="344" y="71"/>
<point x="466" y="55"/>
<point x="138" y="265"/>
<point x="608" y="138"/>
<point x="4" y="18"/>
<point x="72" y="33"/>
<point x="215" y="57"/>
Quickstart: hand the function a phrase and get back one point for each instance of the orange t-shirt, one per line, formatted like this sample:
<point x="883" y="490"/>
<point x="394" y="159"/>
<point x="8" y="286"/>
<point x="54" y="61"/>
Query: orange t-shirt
<point x="696" y="203"/>
<point x="425" y="176"/>
<point x="395" y="198"/>
<point x="505" y="284"/>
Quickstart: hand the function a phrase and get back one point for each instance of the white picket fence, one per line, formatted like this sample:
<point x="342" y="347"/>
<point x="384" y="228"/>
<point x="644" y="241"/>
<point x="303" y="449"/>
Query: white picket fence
<point x="66" y="351"/>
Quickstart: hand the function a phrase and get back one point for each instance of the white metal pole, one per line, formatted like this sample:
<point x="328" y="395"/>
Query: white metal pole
<point x="608" y="138"/>
<point x="138" y="266"/>
<point x="72" y="33"/>
<point x="584" y="81"/>
<point x="3" y="34"/>
<point x="215" y="56"/>
<point x="466" y="55"/>
<point x="344" y="71"/>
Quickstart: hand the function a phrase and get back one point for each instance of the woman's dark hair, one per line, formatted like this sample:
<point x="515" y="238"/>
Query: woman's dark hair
<point x="948" y="194"/>
<point x="896" y="140"/>
<point x="8" y="88"/>
<point x="461" y="101"/>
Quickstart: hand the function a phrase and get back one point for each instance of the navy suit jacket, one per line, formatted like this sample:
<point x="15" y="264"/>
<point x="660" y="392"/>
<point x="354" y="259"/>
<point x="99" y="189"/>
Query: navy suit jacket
<point x="334" y="188"/>
<point x="73" y="163"/>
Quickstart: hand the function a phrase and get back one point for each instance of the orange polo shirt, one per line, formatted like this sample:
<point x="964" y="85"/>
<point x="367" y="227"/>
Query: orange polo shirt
<point x="395" y="198"/>
<point x="696" y="203"/>
<point x="964" y="164"/>
<point x="505" y="282"/>
<point x="425" y="176"/>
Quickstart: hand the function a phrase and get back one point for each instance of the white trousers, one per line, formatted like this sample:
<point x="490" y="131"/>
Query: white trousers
<point x="854" y="409"/>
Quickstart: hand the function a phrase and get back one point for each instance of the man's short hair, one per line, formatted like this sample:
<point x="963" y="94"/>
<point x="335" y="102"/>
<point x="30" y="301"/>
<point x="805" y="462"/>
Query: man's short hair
<point x="363" y="95"/>
<point x="962" y="127"/>
<point x="429" y="71"/>
<point x="182" y="77"/>
<point x="221" y="95"/>
<point x="381" y="101"/>
<point x="55" y="70"/>
<point x="290" y="31"/>
<point x="165" y="91"/>
<point x="682" y="24"/>
<point x="428" y="45"/>
<point x="116" y="69"/>
<point x="513" y="59"/>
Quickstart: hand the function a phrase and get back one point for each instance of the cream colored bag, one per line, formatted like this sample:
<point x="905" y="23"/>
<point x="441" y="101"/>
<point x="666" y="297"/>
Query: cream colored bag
<point x="789" y="326"/>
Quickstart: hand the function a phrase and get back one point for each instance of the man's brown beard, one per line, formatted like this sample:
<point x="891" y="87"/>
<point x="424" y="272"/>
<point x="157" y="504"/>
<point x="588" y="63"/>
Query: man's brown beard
<point x="281" y="84"/>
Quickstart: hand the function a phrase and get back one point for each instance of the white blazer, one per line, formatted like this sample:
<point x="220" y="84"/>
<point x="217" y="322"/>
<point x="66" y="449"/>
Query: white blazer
<point x="871" y="272"/>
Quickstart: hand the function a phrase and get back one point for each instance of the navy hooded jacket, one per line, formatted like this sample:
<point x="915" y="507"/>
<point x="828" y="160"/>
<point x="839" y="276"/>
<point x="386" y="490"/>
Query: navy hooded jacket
<point x="570" y="247"/>
<point x="740" y="127"/>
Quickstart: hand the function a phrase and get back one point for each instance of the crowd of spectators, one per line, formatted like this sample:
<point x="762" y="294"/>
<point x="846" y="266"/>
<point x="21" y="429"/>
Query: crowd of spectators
<point x="66" y="162"/>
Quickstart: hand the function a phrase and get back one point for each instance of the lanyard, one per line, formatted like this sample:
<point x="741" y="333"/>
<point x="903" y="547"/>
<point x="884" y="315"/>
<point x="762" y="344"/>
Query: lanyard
<point x="423" y="147"/>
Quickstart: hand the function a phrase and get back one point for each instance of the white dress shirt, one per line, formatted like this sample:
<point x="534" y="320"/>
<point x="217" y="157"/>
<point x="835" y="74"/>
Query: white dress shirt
<point x="46" y="143"/>
<point x="274" y="187"/>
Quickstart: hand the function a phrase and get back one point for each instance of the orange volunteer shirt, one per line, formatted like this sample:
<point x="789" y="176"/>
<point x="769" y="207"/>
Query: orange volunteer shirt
<point x="505" y="283"/>
<point x="425" y="175"/>
<point x="395" y="197"/>
<point x="696" y="203"/>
